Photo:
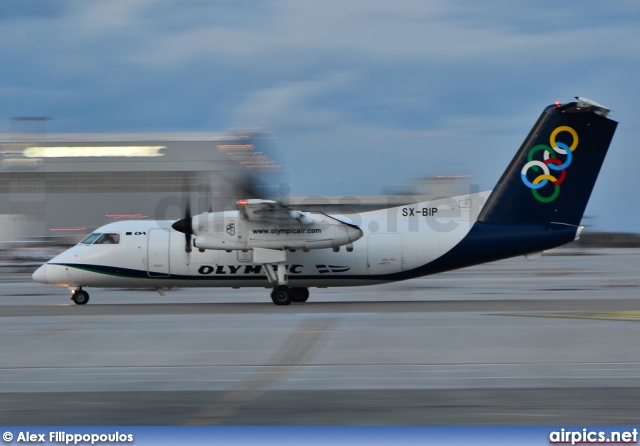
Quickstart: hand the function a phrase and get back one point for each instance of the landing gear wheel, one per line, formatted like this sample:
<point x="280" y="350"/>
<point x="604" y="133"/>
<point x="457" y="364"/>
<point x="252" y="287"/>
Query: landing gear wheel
<point x="281" y="295"/>
<point x="80" y="297"/>
<point x="299" y="294"/>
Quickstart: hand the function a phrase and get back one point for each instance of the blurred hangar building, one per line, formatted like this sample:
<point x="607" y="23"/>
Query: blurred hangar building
<point x="59" y="187"/>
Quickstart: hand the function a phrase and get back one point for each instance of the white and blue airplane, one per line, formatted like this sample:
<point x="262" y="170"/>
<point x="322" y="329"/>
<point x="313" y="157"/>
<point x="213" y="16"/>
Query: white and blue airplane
<point x="537" y="205"/>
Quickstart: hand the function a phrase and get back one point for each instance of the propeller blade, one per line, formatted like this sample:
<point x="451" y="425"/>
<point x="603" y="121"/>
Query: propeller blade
<point x="185" y="225"/>
<point x="187" y="243"/>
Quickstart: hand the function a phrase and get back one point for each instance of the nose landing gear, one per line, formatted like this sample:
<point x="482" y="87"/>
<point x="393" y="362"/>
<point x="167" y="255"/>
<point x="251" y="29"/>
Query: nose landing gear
<point x="80" y="297"/>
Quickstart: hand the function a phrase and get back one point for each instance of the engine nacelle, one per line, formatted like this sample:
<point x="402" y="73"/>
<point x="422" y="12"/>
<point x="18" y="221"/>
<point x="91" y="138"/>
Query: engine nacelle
<point x="226" y="231"/>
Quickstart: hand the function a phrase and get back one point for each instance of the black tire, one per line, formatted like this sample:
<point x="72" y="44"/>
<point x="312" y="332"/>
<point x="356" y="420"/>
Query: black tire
<point x="80" y="297"/>
<point x="299" y="294"/>
<point x="281" y="295"/>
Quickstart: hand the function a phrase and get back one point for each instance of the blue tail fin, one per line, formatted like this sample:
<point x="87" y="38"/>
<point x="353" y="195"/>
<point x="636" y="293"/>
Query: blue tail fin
<point x="551" y="177"/>
<point x="541" y="197"/>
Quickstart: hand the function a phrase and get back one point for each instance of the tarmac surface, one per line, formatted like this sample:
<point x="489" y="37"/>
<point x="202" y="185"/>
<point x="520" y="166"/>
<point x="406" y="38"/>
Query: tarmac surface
<point x="545" y="342"/>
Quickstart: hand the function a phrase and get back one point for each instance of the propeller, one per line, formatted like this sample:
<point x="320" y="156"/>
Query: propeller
<point x="185" y="224"/>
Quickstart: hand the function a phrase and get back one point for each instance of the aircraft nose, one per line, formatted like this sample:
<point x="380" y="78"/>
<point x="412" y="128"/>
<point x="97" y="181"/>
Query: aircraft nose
<point x="40" y="275"/>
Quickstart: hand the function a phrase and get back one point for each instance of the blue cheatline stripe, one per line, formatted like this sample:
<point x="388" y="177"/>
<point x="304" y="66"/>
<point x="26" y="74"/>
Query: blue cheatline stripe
<point x="141" y="274"/>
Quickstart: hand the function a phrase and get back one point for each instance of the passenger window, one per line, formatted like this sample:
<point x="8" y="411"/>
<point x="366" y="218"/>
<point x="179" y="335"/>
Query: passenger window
<point x="108" y="239"/>
<point x="91" y="238"/>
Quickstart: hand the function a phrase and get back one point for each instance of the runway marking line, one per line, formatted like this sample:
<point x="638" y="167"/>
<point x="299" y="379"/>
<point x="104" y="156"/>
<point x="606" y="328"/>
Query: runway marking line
<point x="300" y="347"/>
<point x="628" y="316"/>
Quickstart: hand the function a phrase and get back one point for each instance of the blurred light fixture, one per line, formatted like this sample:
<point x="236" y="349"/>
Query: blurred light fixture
<point x="95" y="151"/>
<point x="67" y="229"/>
<point x="126" y="216"/>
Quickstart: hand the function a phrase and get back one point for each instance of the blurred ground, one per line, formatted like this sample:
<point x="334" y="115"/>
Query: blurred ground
<point x="541" y="342"/>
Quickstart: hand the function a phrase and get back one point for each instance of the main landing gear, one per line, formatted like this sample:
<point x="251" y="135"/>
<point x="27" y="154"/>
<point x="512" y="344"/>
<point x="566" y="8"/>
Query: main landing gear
<point x="274" y="264"/>
<point x="284" y="295"/>
<point x="80" y="297"/>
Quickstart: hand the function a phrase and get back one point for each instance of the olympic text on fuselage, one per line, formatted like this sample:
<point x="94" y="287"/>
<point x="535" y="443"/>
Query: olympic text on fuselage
<point x="242" y="269"/>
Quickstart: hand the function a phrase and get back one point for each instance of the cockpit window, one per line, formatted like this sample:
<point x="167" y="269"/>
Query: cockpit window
<point x="108" y="239"/>
<point x="91" y="238"/>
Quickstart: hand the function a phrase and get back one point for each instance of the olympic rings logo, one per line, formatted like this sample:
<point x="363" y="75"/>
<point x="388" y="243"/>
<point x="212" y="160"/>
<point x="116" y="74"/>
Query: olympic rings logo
<point x="552" y="168"/>
<point x="231" y="227"/>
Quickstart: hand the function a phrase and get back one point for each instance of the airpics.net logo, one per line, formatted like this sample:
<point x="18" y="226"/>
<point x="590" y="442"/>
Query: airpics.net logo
<point x="587" y="436"/>
<point x="551" y="163"/>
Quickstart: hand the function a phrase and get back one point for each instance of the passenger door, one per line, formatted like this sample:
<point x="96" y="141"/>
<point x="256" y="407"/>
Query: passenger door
<point x="158" y="253"/>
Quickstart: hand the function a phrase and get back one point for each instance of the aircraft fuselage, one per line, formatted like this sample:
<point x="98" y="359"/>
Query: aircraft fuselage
<point x="151" y="254"/>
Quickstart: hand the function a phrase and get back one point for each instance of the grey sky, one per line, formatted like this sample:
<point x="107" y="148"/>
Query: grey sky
<point x="361" y="94"/>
